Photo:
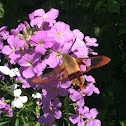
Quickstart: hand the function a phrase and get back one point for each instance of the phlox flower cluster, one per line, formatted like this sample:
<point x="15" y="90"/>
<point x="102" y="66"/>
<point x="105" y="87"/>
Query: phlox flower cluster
<point x="5" y="108"/>
<point x="39" y="45"/>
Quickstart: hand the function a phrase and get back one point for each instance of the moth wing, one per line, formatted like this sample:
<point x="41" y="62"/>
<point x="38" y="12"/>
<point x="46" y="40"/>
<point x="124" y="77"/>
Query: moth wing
<point x="58" y="74"/>
<point x="92" y="62"/>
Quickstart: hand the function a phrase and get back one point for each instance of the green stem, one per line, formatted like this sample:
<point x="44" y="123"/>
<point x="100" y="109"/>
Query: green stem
<point x="6" y="89"/>
<point x="67" y="109"/>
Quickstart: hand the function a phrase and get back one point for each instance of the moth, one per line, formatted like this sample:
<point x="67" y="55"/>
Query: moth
<point x="70" y="68"/>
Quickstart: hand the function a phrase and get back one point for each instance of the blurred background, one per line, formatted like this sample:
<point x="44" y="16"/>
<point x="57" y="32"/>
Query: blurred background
<point x="103" y="19"/>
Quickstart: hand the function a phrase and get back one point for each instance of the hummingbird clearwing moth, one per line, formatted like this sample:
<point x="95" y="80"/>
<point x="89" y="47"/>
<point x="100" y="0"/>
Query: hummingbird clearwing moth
<point x="71" y="68"/>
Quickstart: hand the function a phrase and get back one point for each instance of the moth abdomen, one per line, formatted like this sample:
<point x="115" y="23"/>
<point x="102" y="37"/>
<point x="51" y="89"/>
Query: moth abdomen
<point x="77" y="79"/>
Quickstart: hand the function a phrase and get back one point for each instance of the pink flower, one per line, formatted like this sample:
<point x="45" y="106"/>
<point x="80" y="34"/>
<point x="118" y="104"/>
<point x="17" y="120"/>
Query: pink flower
<point x="20" y="27"/>
<point x="4" y="35"/>
<point x="41" y="16"/>
<point x="13" y="48"/>
<point x="56" y="57"/>
<point x="78" y="34"/>
<point x="91" y="41"/>
<point x="31" y="64"/>
<point x="78" y="118"/>
<point x="41" y="41"/>
<point x="3" y="28"/>
<point x="91" y="116"/>
<point x="2" y="103"/>
<point x="61" y="33"/>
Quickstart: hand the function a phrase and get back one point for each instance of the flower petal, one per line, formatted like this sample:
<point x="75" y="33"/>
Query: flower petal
<point x="23" y="99"/>
<point x="74" y="118"/>
<point x="58" y="114"/>
<point x="94" y="112"/>
<point x="17" y="92"/>
<point x="7" y="50"/>
<point x="81" y="122"/>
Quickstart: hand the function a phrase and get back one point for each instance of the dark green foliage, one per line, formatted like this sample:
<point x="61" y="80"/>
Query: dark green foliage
<point x="103" y="19"/>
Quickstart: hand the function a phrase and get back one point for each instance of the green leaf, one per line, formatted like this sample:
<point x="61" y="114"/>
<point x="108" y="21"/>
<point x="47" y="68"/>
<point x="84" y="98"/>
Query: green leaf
<point x="23" y="120"/>
<point x="113" y="6"/>
<point x="2" y="123"/>
<point x="30" y="104"/>
<point x="37" y="124"/>
<point x="1" y="10"/>
<point x="37" y="108"/>
<point x="17" y="122"/>
<point x="123" y="123"/>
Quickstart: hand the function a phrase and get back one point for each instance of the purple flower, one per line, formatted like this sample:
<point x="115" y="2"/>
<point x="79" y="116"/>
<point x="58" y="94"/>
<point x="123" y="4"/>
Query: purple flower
<point x="53" y="89"/>
<point x="16" y="31"/>
<point x="91" y="51"/>
<point x="5" y="107"/>
<point x="10" y="112"/>
<point x="31" y="16"/>
<point x="91" y="118"/>
<point x="56" y="57"/>
<point x="41" y="41"/>
<point x="13" y="48"/>
<point x="89" y="78"/>
<point x="4" y="35"/>
<point x="52" y="108"/>
<point x="2" y="103"/>
<point x="78" y="118"/>
<point x="91" y="41"/>
<point x="31" y="64"/>
<point x="46" y="119"/>
<point x="95" y="89"/>
<point x="61" y="33"/>
<point x="78" y="34"/>
<point x="79" y="48"/>
<point x="91" y="87"/>
<point x="64" y="83"/>
<point x="41" y="16"/>
<point x="78" y="96"/>
<point x="87" y="62"/>
<point x="25" y="83"/>
<point x="3" y="28"/>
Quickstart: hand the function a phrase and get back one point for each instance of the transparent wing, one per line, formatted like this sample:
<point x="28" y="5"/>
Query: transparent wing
<point x="57" y="74"/>
<point x="86" y="64"/>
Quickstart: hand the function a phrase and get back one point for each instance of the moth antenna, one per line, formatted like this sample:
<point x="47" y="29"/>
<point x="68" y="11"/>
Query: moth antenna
<point x="72" y="45"/>
<point x="51" y="50"/>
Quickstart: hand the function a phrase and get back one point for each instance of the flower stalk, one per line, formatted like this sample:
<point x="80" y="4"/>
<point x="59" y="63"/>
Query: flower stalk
<point x="67" y="109"/>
